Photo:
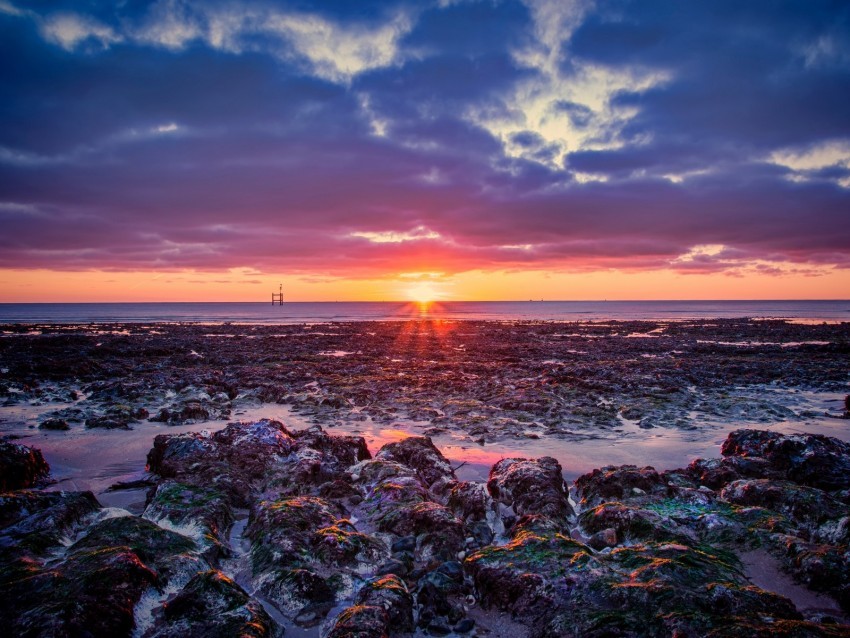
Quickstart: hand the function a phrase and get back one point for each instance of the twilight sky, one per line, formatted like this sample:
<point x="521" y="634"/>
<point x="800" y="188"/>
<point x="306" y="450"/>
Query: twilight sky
<point x="473" y="149"/>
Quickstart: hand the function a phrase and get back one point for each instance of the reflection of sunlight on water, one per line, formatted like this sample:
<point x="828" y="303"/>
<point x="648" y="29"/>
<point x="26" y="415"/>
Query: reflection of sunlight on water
<point x="377" y="439"/>
<point x="94" y="459"/>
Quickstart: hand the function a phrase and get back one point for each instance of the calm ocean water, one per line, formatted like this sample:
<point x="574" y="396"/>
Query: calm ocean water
<point x="301" y="312"/>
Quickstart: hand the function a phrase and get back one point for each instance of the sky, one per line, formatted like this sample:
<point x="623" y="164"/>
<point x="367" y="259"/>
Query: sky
<point x="558" y="149"/>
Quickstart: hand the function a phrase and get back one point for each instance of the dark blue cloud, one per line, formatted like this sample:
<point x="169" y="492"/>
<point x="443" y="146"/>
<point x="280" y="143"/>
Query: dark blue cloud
<point x="472" y="29"/>
<point x="748" y="76"/>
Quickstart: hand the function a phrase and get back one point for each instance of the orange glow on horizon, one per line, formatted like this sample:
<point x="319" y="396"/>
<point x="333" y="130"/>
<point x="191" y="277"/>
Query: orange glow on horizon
<point x="45" y="286"/>
<point x="422" y="294"/>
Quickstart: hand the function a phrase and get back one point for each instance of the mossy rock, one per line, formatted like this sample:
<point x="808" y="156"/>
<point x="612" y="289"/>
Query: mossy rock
<point x="341" y="544"/>
<point x="34" y="522"/>
<point x="211" y="605"/>
<point x="166" y="552"/>
<point x="185" y="504"/>
<point x="20" y="466"/>
<point x="291" y="589"/>
<point x="90" y="593"/>
<point x="633" y="523"/>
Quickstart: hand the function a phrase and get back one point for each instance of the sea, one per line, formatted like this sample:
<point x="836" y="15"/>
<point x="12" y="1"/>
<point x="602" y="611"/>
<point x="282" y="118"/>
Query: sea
<point x="296" y="312"/>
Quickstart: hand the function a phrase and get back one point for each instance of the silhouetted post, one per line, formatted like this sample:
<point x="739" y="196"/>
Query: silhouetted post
<point x="278" y="296"/>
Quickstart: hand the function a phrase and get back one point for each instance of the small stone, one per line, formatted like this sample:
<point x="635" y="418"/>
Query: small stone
<point x="438" y="628"/>
<point x="452" y="569"/>
<point x="404" y="544"/>
<point x="465" y="626"/>
<point x="603" y="538"/>
<point x="392" y="567"/>
<point x="482" y="533"/>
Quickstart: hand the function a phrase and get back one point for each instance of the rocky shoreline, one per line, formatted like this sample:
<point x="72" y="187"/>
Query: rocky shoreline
<point x="259" y="529"/>
<point x="484" y="381"/>
<point x="256" y="530"/>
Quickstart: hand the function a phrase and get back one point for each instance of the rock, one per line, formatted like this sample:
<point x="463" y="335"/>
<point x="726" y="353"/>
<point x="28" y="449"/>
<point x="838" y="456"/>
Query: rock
<point x="535" y="523"/>
<point x="404" y="544"/>
<point x="254" y="457"/>
<point x="134" y="484"/>
<point x="339" y="489"/>
<point x="439" y="534"/>
<point x="439" y="628"/>
<point x="108" y="422"/>
<point x="212" y="605"/>
<point x="394" y="567"/>
<point x="116" y="417"/>
<point x="282" y="530"/>
<point x="824" y="568"/>
<point x="437" y="595"/>
<point x="464" y="626"/>
<point x="341" y="544"/>
<point x="807" y="506"/>
<point x="55" y="511"/>
<point x="307" y="469"/>
<point x="193" y="411"/>
<point x="360" y="621"/>
<point x="482" y="533"/>
<point x="237" y="460"/>
<point x="557" y="586"/>
<point x="163" y="416"/>
<point x="470" y="501"/>
<point x="531" y="487"/>
<point x="419" y="454"/>
<point x="338" y="451"/>
<point x="21" y="466"/>
<point x="809" y="459"/>
<point x="179" y="504"/>
<point x="173" y="454"/>
<point x="632" y="523"/>
<point x="87" y="593"/>
<point x="716" y="473"/>
<point x="383" y="607"/>
<point x="167" y="553"/>
<point x="369" y="473"/>
<point x="603" y="538"/>
<point x="54" y="424"/>
<point x="34" y="523"/>
<point x="623" y="482"/>
<point x="303" y="551"/>
<point x="391" y="594"/>
<point x="515" y="577"/>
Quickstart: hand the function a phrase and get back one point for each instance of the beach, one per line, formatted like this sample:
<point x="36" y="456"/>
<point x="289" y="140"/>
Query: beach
<point x="99" y="399"/>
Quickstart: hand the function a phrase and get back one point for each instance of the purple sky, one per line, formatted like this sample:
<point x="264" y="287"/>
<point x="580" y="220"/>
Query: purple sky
<point x="362" y="138"/>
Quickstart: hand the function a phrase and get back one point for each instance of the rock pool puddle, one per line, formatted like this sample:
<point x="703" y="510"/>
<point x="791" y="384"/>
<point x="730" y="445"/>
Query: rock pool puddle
<point x="94" y="459"/>
<point x="763" y="570"/>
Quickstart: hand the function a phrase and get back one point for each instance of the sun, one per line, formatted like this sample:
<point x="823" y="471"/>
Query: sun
<point x="422" y="293"/>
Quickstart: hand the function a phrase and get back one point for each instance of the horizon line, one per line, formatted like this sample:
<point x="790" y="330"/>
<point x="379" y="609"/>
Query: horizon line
<point x="444" y="301"/>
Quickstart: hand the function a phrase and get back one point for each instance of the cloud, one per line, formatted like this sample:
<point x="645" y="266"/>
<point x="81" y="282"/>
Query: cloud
<point x="336" y="140"/>
<point x="328" y="48"/>
<point x="70" y="30"/>
<point x="395" y="237"/>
